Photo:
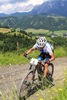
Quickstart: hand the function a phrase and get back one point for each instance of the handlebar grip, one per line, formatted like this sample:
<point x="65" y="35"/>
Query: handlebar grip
<point x="26" y="55"/>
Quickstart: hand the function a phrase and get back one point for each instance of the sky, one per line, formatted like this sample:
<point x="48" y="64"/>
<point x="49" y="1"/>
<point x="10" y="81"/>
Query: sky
<point x="13" y="6"/>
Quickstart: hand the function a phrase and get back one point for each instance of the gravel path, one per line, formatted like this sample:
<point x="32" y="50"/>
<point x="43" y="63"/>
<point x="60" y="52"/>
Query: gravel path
<point x="14" y="74"/>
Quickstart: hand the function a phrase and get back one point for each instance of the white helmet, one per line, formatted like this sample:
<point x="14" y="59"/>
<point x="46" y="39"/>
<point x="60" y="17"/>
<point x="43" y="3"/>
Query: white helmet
<point x="41" y="42"/>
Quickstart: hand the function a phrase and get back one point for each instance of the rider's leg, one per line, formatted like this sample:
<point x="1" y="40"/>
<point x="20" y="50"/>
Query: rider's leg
<point x="40" y="59"/>
<point x="46" y="82"/>
<point x="45" y="69"/>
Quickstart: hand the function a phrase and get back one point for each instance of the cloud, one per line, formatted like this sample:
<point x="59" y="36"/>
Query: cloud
<point x="15" y="1"/>
<point x="3" y="2"/>
<point x="9" y="6"/>
<point x="25" y="8"/>
<point x="16" y="7"/>
<point x="12" y="6"/>
<point x="45" y="0"/>
<point x="35" y="2"/>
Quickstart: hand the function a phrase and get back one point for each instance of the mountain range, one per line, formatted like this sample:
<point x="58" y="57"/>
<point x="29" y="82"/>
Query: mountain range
<point x="50" y="7"/>
<point x="51" y="15"/>
<point x="53" y="7"/>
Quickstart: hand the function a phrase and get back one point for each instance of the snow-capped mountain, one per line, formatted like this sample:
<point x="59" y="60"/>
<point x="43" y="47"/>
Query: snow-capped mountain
<point x="24" y="8"/>
<point x="55" y="7"/>
<point x="49" y="7"/>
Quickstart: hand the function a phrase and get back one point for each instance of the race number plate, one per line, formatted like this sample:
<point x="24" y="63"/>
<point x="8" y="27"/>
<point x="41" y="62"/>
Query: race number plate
<point x="34" y="61"/>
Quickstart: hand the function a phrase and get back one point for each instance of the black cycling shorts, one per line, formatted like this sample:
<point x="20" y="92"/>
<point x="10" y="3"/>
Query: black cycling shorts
<point x="43" y="56"/>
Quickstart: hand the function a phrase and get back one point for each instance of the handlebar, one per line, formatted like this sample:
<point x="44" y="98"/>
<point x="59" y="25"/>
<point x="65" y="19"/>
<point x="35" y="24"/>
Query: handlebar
<point x="27" y="56"/>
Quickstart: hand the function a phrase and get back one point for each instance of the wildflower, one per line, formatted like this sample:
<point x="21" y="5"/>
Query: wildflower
<point x="60" y="89"/>
<point x="64" y="79"/>
<point x="2" y="76"/>
<point x="56" y="78"/>
<point x="10" y="64"/>
<point x="37" y="95"/>
<point x="48" y="91"/>
<point x="51" y="97"/>
<point x="3" y="98"/>
<point x="55" y="90"/>
<point x="0" y="93"/>
<point x="41" y="99"/>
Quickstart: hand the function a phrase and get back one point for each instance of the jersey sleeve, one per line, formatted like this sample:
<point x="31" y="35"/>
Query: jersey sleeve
<point x="49" y="49"/>
<point x="35" y="46"/>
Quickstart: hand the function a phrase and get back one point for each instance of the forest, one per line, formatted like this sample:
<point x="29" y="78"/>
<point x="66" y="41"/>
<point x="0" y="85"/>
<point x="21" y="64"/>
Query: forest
<point x="12" y="42"/>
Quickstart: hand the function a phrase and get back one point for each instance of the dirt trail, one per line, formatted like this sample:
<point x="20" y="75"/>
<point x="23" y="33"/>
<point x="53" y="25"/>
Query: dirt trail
<point x="14" y="73"/>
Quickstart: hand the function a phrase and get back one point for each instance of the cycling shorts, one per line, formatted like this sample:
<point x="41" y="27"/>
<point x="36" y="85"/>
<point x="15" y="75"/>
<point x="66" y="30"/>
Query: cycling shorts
<point x="43" y="56"/>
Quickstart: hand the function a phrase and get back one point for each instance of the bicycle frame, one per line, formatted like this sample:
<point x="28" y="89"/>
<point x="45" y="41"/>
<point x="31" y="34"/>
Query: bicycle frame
<point x="31" y="77"/>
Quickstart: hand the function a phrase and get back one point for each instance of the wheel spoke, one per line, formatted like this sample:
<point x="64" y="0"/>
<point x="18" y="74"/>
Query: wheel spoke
<point x="26" y="84"/>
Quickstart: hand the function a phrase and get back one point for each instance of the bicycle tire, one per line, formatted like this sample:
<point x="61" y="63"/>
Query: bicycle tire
<point x="51" y="71"/>
<point x="26" y="84"/>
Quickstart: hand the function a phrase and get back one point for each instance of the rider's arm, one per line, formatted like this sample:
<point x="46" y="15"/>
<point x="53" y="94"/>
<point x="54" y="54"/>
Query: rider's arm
<point x="30" y="50"/>
<point x="52" y="57"/>
<point x="50" y="52"/>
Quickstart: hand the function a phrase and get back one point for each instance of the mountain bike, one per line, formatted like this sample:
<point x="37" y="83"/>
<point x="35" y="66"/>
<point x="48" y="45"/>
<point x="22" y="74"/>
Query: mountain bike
<point x="34" y="76"/>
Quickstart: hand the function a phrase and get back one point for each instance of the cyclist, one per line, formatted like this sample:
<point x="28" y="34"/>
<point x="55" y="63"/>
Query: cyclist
<point x="46" y="50"/>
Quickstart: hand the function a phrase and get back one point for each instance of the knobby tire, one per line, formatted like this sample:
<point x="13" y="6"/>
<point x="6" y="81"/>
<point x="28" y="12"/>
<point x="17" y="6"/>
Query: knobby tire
<point x="26" y="84"/>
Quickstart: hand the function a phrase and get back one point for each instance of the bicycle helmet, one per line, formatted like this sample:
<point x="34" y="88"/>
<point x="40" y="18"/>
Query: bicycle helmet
<point x="41" y="42"/>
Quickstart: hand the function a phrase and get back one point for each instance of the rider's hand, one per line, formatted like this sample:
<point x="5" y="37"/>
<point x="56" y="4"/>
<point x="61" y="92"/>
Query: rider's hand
<point x="25" y="54"/>
<point x="47" y="62"/>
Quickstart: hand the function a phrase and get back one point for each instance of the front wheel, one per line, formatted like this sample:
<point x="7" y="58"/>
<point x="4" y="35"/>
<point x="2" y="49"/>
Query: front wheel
<point x="26" y="84"/>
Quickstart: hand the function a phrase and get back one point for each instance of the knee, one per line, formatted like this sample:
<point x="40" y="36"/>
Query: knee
<point x="46" y="65"/>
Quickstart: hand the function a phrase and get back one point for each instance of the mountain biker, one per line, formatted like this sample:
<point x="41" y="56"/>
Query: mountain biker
<point x="46" y="50"/>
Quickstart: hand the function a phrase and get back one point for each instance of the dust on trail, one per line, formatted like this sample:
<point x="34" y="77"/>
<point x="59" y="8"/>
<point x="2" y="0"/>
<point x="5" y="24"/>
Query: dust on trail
<point x="9" y="76"/>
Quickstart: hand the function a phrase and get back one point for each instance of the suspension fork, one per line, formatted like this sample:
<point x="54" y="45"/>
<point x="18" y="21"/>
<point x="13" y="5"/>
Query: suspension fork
<point x="34" y="71"/>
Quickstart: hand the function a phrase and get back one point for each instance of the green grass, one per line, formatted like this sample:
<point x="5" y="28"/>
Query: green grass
<point x="61" y="91"/>
<point x="37" y="31"/>
<point x="10" y="58"/>
<point x="4" y="30"/>
<point x="34" y="31"/>
<point x="61" y="32"/>
<point x="60" y="52"/>
<point x="58" y="92"/>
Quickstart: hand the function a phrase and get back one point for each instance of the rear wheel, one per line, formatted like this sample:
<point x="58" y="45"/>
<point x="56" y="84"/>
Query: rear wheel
<point x="26" y="84"/>
<point x="50" y="72"/>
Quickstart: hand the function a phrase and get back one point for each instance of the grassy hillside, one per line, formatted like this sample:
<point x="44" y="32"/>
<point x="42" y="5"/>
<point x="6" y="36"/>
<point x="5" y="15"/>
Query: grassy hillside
<point x="4" y="30"/>
<point x="9" y="58"/>
<point x="61" y="32"/>
<point x="39" y="21"/>
<point x="46" y="32"/>
<point x="36" y="31"/>
<point x="10" y="51"/>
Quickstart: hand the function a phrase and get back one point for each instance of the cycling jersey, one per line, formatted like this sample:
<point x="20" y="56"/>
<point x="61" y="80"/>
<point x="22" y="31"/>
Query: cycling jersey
<point x="48" y="48"/>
